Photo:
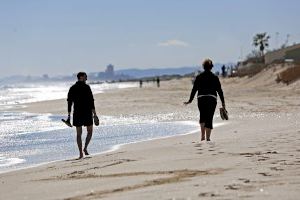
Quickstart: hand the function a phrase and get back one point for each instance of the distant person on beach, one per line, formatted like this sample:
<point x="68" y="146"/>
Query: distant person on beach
<point x="158" y="82"/>
<point x="141" y="83"/>
<point x="80" y="94"/>
<point x="224" y="71"/>
<point x="207" y="85"/>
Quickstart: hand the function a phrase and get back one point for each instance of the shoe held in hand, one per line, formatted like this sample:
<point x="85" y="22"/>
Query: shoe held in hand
<point x="67" y="122"/>
<point x="96" y="120"/>
<point x="224" y="114"/>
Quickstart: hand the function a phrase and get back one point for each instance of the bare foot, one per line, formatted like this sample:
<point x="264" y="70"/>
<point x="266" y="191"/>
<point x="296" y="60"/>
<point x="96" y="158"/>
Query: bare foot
<point x="208" y="139"/>
<point x="80" y="155"/>
<point x="202" y="139"/>
<point x="86" y="152"/>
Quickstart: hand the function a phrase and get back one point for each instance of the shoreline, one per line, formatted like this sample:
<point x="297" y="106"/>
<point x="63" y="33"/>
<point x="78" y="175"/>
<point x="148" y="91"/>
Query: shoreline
<point x="112" y="149"/>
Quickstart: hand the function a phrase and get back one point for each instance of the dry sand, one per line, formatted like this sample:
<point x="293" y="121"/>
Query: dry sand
<point x="255" y="155"/>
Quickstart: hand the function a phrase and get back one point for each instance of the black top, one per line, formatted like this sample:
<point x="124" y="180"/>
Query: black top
<point x="81" y="95"/>
<point x="207" y="83"/>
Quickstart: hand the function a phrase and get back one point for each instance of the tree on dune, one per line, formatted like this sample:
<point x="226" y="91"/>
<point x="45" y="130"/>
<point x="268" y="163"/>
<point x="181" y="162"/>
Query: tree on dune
<point x="261" y="40"/>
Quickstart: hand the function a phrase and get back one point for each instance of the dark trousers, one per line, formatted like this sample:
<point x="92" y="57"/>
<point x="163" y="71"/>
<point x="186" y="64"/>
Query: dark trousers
<point x="207" y="106"/>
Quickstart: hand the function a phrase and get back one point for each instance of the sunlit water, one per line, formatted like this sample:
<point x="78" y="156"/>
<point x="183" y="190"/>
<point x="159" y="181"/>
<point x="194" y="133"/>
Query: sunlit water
<point x="27" y="139"/>
<point x="19" y="93"/>
<point x="38" y="139"/>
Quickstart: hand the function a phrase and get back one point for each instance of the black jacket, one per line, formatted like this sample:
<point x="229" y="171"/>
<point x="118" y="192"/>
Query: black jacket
<point x="207" y="83"/>
<point x="81" y="95"/>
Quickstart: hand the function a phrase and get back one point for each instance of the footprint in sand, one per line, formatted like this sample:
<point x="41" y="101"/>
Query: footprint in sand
<point x="245" y="180"/>
<point x="263" y="158"/>
<point x="198" y="145"/>
<point x="208" y="194"/>
<point x="75" y="173"/>
<point x="264" y="174"/>
<point x="200" y="151"/>
<point x="276" y="169"/>
<point x="271" y="152"/>
<point x="232" y="187"/>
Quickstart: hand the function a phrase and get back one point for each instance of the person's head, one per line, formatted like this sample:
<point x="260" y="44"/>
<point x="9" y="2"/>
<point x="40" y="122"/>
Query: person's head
<point x="207" y="64"/>
<point x="81" y="76"/>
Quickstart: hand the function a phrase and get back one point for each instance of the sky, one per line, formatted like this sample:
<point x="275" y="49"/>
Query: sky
<point x="61" y="37"/>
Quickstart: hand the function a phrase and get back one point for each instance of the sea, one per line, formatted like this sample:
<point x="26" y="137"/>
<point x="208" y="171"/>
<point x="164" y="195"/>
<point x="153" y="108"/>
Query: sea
<point x="30" y="139"/>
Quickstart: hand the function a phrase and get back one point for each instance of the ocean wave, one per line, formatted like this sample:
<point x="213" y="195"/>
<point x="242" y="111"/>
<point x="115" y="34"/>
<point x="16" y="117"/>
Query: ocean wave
<point x="14" y="94"/>
<point x="6" y="162"/>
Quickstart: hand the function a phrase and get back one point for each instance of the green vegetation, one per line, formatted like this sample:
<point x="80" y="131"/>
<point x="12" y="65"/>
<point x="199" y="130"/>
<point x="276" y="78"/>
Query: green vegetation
<point x="261" y="40"/>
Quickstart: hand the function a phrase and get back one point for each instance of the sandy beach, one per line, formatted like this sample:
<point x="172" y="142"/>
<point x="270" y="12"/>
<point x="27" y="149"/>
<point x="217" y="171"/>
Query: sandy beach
<point x="254" y="155"/>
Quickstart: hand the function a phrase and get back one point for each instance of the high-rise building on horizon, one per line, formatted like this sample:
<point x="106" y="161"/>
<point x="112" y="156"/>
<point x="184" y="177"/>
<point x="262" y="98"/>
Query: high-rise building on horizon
<point x="109" y="72"/>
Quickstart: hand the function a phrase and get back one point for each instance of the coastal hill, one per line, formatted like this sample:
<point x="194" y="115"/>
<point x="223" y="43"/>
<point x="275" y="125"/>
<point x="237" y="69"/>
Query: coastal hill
<point x="273" y="78"/>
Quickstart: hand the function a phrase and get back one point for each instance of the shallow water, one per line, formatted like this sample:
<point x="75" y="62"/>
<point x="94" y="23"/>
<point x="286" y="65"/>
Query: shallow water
<point x="27" y="146"/>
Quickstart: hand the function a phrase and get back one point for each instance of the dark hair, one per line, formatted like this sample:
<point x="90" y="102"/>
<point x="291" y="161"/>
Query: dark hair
<point x="80" y="74"/>
<point x="207" y="64"/>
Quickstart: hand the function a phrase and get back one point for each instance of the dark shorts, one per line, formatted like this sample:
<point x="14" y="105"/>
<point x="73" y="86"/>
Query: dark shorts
<point x="207" y="106"/>
<point x="82" y="119"/>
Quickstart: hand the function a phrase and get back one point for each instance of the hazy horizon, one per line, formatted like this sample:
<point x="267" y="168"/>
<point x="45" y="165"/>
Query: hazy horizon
<point x="64" y="37"/>
<point x="217" y="67"/>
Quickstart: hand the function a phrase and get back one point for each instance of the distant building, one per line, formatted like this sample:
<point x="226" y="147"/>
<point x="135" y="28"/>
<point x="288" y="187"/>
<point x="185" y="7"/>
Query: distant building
<point x="109" y="72"/>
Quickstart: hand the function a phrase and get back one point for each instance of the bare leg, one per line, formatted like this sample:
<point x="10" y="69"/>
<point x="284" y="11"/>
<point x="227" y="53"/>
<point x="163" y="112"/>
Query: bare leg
<point x="208" y="132"/>
<point x="202" y="131"/>
<point x="88" y="138"/>
<point x="79" y="141"/>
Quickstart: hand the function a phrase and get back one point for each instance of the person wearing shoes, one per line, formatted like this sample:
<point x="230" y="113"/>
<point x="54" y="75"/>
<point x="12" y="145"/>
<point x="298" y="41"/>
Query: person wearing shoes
<point x="207" y="85"/>
<point x="81" y="97"/>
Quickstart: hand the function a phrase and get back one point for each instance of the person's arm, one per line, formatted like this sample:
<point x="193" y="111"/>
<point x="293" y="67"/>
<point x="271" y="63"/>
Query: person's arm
<point x="92" y="101"/>
<point x="220" y="92"/>
<point x="193" y="92"/>
<point x="69" y="108"/>
<point x="70" y="102"/>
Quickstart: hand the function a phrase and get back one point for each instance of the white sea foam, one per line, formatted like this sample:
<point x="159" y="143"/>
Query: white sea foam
<point x="15" y="94"/>
<point x="6" y="162"/>
<point x="13" y="123"/>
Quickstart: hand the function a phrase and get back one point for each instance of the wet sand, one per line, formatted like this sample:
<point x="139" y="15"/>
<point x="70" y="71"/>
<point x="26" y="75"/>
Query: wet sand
<point x="254" y="155"/>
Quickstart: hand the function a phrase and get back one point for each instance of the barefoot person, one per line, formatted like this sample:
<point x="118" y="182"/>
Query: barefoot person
<point x="207" y="85"/>
<point x="80" y="94"/>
